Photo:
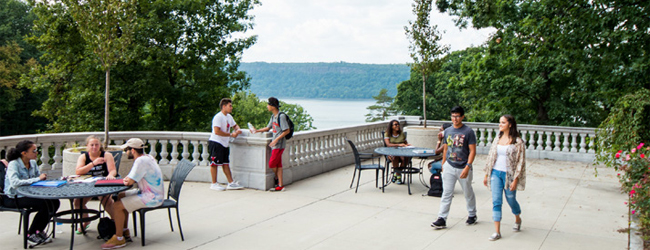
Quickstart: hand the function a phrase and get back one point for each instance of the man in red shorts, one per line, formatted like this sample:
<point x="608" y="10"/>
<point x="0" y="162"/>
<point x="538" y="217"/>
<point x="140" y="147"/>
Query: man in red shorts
<point x="280" y="128"/>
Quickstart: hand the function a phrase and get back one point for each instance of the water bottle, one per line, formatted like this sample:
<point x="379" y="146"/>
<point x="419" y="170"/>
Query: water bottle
<point x="250" y="127"/>
<point x="59" y="228"/>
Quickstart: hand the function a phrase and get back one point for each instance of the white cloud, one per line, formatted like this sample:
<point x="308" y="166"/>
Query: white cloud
<point x="360" y="31"/>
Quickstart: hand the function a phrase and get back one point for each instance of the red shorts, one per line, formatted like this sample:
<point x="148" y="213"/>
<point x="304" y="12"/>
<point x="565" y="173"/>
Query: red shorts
<point x="276" y="158"/>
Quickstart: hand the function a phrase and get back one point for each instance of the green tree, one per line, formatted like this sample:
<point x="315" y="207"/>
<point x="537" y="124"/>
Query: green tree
<point x="382" y="109"/>
<point x="442" y="91"/>
<point x="107" y="27"/>
<point x="556" y="62"/>
<point x="16" y="56"/>
<point x="185" y="58"/>
<point x="248" y="108"/>
<point x="425" y="50"/>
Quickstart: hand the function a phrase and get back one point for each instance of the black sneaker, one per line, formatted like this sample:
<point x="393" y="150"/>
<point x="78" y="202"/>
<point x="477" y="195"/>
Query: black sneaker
<point x="35" y="239"/>
<point x="43" y="236"/>
<point x="439" y="224"/>
<point x="471" y="220"/>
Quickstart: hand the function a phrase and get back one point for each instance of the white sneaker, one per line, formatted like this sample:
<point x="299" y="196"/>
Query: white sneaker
<point x="234" y="186"/>
<point x="216" y="186"/>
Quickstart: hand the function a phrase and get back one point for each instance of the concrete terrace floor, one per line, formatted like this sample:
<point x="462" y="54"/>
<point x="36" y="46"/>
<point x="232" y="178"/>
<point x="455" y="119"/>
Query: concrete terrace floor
<point x="565" y="206"/>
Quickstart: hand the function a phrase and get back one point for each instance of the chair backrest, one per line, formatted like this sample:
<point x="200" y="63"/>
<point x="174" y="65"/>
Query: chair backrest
<point x="117" y="156"/>
<point x="178" y="177"/>
<point x="357" y="161"/>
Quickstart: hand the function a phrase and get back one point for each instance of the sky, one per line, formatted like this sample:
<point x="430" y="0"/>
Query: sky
<point x="355" y="31"/>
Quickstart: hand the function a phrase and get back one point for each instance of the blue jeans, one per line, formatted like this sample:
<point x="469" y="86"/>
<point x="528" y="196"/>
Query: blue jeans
<point x="497" y="183"/>
<point x="435" y="167"/>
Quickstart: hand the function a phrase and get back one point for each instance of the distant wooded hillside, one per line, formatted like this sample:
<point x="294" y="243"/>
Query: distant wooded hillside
<point x="324" y="80"/>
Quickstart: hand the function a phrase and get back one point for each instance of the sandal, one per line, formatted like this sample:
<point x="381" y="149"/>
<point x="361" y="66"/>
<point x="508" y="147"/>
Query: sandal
<point x="85" y="229"/>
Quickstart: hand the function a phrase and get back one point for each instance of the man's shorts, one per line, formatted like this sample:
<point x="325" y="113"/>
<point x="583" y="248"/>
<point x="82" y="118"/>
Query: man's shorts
<point x="218" y="153"/>
<point x="276" y="158"/>
<point x="132" y="201"/>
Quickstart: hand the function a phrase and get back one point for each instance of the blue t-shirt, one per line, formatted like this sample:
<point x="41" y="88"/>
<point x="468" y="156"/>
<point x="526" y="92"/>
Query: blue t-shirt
<point x="458" y="141"/>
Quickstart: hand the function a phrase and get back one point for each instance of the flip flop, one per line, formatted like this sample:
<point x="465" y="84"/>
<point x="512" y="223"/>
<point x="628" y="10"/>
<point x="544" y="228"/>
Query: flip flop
<point x="85" y="230"/>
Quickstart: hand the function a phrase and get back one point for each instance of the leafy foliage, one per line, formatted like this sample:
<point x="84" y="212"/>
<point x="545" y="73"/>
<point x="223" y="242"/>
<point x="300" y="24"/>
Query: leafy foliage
<point x="426" y="51"/>
<point x="16" y="56"/>
<point x="248" y="108"/>
<point x="107" y="28"/>
<point x="442" y="91"/>
<point x="382" y="109"/>
<point x="324" y="80"/>
<point x="185" y="58"/>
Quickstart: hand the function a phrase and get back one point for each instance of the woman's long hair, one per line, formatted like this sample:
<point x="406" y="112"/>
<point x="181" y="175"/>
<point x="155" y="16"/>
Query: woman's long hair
<point x="15" y="153"/>
<point x="514" y="133"/>
<point x="389" y="130"/>
<point x="92" y="137"/>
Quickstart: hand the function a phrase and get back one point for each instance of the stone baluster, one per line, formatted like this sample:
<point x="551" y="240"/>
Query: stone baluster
<point x="590" y="149"/>
<point x="195" y="152"/>
<point x="58" y="156"/>
<point x="565" y="143"/>
<point x="583" y="143"/>
<point x="488" y="142"/>
<point x="45" y="156"/>
<point x="328" y="147"/>
<point x="163" y="152"/>
<point x="549" y="146"/>
<point x="186" y="150"/>
<point x="556" y="144"/>
<point x="174" y="160"/>
<point x="205" y="154"/>
<point x="574" y="142"/>
<point x="152" y="148"/>
<point x="531" y="140"/>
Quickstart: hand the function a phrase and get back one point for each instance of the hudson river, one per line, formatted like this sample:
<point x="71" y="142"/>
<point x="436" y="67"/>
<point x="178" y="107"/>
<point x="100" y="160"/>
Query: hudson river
<point x="331" y="113"/>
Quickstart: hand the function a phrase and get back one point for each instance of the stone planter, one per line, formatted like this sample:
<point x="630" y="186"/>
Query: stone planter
<point x="70" y="156"/>
<point x="419" y="136"/>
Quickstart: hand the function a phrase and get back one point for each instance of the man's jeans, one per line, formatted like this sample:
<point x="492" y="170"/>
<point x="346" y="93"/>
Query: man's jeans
<point x="497" y="183"/>
<point x="449" y="177"/>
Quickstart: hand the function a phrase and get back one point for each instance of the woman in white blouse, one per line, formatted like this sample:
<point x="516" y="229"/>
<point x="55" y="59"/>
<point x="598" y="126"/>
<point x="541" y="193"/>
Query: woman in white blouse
<point x="505" y="171"/>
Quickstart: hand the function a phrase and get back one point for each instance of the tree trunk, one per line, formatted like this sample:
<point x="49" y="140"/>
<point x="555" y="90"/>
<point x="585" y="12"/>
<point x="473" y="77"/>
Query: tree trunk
<point x="108" y="80"/>
<point x="424" y="99"/>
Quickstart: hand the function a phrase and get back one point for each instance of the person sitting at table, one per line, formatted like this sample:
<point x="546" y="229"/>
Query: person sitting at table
<point x="95" y="162"/>
<point x="436" y="165"/>
<point x="147" y="174"/>
<point x="395" y="137"/>
<point x="23" y="170"/>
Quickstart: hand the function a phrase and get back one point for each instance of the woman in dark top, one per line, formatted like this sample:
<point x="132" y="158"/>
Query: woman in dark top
<point x="96" y="162"/>
<point x="23" y="170"/>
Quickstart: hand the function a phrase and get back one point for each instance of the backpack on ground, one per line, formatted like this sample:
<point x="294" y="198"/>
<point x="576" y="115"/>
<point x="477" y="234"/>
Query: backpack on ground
<point x="436" y="185"/>
<point x="291" y="127"/>
<point x="105" y="228"/>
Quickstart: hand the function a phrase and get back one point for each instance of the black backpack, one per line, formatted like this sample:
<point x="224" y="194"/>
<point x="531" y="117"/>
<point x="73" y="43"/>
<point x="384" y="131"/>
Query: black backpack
<point x="105" y="228"/>
<point x="436" y="185"/>
<point x="288" y="136"/>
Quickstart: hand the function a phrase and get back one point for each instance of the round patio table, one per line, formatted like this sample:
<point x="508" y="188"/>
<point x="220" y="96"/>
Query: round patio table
<point x="413" y="152"/>
<point x="71" y="191"/>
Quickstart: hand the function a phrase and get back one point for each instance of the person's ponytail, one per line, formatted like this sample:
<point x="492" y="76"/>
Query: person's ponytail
<point x="15" y="153"/>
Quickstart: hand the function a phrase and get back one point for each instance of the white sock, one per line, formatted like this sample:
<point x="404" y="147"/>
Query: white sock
<point x="120" y="237"/>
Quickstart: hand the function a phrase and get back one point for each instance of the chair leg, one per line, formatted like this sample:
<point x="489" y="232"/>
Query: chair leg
<point x="142" y="226"/>
<point x="135" y="224"/>
<point x="383" y="173"/>
<point x="377" y="177"/>
<point x="178" y="219"/>
<point x="358" y="179"/>
<point x="169" y="212"/>
<point x="353" y="174"/>
<point x="25" y="219"/>
<point x="21" y="219"/>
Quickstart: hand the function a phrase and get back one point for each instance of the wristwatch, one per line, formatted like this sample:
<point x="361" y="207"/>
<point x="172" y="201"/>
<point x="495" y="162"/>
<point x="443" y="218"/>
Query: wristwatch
<point x="469" y="164"/>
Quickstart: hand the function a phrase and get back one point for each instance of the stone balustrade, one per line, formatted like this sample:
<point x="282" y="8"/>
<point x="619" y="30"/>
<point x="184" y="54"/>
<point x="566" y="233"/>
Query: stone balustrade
<point x="542" y="142"/>
<point x="307" y="154"/>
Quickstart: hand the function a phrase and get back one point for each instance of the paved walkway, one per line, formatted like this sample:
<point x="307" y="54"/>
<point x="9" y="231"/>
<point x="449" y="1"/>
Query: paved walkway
<point x="565" y="206"/>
